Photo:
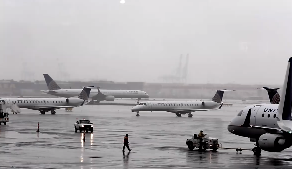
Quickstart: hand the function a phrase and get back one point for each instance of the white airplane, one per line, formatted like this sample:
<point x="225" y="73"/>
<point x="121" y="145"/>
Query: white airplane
<point x="48" y="104"/>
<point x="181" y="107"/>
<point x="109" y="95"/>
<point x="269" y="125"/>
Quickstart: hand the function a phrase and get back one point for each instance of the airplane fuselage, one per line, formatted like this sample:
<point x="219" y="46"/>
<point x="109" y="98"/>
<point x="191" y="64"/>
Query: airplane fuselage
<point x="173" y="106"/>
<point x="263" y="115"/>
<point x="43" y="103"/>
<point x="115" y="93"/>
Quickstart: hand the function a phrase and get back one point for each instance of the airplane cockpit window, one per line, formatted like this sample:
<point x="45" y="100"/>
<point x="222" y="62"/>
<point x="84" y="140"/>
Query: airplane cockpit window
<point x="240" y="113"/>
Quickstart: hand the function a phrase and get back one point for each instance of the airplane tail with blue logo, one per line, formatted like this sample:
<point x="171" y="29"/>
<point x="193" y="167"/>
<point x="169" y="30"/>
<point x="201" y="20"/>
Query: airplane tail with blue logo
<point x="52" y="85"/>
<point x="84" y="95"/>
<point x="218" y="97"/>
<point x="284" y="108"/>
<point x="273" y="95"/>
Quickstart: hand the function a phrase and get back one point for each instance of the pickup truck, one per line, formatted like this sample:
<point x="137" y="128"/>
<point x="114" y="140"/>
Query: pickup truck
<point x="83" y="125"/>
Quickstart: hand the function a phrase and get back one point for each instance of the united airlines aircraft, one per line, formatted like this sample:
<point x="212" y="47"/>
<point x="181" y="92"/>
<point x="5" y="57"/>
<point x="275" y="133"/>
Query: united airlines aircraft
<point x="48" y="104"/>
<point x="181" y="107"/>
<point x="109" y="95"/>
<point x="268" y="125"/>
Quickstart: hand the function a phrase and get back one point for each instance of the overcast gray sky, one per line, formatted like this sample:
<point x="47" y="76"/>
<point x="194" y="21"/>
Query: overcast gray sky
<point x="228" y="41"/>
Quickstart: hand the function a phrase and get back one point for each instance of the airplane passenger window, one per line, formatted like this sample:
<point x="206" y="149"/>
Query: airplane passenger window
<point x="239" y="114"/>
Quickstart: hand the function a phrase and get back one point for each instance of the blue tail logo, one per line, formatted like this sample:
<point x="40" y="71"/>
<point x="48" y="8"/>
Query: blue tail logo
<point x="273" y="95"/>
<point x="52" y="85"/>
<point x="218" y="96"/>
<point x="84" y="95"/>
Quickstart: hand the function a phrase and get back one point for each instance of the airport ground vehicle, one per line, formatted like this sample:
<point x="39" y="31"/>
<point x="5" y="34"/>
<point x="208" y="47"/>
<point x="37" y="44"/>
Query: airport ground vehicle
<point x="203" y="143"/>
<point x="3" y="114"/>
<point x="83" y="125"/>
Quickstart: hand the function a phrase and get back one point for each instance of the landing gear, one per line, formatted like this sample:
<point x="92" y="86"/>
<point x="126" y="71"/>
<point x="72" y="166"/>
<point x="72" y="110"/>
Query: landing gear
<point x="257" y="150"/>
<point x="43" y="112"/>
<point x="178" y="114"/>
<point x="53" y="112"/>
<point x="190" y="115"/>
<point x="137" y="114"/>
<point x="68" y="109"/>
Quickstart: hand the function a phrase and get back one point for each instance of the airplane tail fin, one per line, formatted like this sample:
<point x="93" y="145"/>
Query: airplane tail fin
<point x="273" y="95"/>
<point x="52" y="85"/>
<point x="284" y="108"/>
<point x="218" y="97"/>
<point x="84" y="95"/>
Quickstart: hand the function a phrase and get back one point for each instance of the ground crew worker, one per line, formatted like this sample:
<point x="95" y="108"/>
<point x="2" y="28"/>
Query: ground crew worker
<point x="126" y="143"/>
<point x="201" y="134"/>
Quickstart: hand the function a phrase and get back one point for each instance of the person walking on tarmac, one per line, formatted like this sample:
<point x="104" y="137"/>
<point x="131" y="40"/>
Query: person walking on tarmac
<point x="126" y="143"/>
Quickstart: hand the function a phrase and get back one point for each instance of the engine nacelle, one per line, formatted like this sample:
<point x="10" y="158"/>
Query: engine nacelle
<point x="110" y="98"/>
<point x="273" y="142"/>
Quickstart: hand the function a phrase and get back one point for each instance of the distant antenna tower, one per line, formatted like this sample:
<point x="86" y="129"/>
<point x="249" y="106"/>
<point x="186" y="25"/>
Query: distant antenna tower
<point x="178" y="72"/>
<point x="185" y="69"/>
<point x="26" y="74"/>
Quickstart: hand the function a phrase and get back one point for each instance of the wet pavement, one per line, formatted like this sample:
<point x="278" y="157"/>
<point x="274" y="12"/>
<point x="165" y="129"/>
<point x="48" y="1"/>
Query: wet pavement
<point x="157" y="140"/>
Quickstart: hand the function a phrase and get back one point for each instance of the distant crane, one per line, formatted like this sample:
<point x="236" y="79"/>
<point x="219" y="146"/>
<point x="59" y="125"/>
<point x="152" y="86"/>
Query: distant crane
<point x="26" y="73"/>
<point x="180" y="74"/>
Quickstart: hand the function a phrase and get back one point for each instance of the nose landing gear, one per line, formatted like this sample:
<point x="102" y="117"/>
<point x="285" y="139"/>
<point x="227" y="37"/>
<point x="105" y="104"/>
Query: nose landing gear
<point x="137" y="114"/>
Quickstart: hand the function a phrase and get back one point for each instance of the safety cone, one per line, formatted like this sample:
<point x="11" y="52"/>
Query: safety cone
<point x="38" y="130"/>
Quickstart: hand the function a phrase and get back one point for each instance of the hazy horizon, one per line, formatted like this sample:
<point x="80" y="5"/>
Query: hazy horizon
<point x="239" y="42"/>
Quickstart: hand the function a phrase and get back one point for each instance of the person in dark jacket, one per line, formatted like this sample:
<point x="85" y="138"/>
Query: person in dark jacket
<point x="126" y="143"/>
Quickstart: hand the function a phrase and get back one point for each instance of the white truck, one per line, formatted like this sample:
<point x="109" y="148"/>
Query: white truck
<point x="83" y="125"/>
<point x="3" y="114"/>
<point x="203" y="143"/>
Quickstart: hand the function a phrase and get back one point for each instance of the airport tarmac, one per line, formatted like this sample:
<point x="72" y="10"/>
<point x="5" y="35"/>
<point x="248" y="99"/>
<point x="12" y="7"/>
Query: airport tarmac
<point x="157" y="140"/>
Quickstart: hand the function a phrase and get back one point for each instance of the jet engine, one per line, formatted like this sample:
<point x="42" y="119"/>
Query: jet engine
<point x="273" y="142"/>
<point x="109" y="98"/>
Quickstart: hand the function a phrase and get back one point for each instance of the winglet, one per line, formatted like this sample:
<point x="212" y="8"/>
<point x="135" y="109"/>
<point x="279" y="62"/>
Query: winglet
<point x="284" y="108"/>
<point x="52" y="85"/>
<point x="84" y="95"/>
<point x="273" y="95"/>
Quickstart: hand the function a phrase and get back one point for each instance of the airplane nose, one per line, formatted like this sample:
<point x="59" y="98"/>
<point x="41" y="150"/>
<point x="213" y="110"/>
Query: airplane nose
<point x="230" y="128"/>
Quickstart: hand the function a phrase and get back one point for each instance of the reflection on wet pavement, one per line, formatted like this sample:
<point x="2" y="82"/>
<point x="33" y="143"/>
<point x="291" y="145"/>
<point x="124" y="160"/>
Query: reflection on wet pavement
<point x="157" y="140"/>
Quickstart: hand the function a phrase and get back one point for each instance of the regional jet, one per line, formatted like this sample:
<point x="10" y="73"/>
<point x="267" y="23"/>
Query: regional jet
<point x="181" y="107"/>
<point x="268" y="125"/>
<point x="48" y="104"/>
<point x="110" y="95"/>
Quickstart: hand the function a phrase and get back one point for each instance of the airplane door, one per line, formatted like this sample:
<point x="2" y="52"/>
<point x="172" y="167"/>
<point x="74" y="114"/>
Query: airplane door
<point x="253" y="115"/>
